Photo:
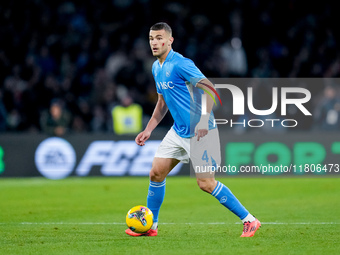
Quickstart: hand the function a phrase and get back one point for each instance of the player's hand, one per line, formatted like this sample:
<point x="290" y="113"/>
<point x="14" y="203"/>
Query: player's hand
<point x="142" y="137"/>
<point x="201" y="133"/>
<point x="202" y="127"/>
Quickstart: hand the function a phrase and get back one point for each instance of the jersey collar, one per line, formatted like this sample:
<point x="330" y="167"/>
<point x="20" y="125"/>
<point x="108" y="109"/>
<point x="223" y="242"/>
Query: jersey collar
<point x="168" y="57"/>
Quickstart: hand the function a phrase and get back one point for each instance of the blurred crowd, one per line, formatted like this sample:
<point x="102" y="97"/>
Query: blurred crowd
<point x="66" y="64"/>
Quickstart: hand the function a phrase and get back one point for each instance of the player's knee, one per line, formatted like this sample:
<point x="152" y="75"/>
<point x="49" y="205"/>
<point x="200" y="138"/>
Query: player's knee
<point x="156" y="175"/>
<point x="208" y="185"/>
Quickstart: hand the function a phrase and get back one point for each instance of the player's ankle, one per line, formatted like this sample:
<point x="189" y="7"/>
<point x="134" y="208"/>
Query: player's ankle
<point x="154" y="226"/>
<point x="249" y="218"/>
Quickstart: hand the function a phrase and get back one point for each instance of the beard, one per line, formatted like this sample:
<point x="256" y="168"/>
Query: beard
<point x="159" y="53"/>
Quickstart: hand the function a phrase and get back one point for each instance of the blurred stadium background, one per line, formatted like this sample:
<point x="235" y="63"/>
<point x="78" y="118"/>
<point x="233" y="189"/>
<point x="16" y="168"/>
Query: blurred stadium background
<point x="71" y="68"/>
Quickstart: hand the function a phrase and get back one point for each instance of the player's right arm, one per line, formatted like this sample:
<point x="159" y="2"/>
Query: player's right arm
<point x="158" y="114"/>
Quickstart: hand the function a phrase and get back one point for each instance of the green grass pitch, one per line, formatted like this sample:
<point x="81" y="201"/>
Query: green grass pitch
<point x="87" y="216"/>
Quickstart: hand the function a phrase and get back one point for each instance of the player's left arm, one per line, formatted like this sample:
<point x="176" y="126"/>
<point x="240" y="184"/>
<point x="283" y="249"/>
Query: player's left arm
<point x="189" y="72"/>
<point x="202" y="127"/>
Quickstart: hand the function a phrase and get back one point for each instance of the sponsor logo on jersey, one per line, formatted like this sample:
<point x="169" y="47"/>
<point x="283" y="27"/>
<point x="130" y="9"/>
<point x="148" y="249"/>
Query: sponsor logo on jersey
<point x="165" y="85"/>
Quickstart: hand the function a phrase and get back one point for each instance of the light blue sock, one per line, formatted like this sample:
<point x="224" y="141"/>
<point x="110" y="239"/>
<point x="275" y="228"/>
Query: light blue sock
<point x="155" y="197"/>
<point x="227" y="198"/>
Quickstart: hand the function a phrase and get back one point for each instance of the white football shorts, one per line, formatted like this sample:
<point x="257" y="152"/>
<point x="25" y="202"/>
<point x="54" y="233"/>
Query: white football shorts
<point x="205" y="152"/>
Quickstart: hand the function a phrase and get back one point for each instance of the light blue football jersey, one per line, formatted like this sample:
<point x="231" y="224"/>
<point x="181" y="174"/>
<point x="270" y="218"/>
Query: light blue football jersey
<point x="176" y="79"/>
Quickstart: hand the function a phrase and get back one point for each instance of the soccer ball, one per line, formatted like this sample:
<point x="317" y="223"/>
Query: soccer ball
<point x="139" y="219"/>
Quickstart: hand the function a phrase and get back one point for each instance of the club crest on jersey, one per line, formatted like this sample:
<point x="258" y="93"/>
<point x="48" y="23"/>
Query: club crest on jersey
<point x="165" y="85"/>
<point x="167" y="73"/>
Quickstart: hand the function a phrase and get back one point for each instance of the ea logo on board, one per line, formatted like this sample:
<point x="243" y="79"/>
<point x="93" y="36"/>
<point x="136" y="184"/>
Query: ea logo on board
<point x="55" y="158"/>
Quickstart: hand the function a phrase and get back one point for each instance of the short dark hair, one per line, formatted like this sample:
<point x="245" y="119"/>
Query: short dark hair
<point x="160" y="26"/>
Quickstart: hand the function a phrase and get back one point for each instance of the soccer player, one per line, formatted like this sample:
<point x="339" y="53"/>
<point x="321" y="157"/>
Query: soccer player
<point x="176" y="78"/>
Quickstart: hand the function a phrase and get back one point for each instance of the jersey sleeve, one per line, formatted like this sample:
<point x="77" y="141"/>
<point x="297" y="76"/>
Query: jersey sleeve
<point x="188" y="71"/>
